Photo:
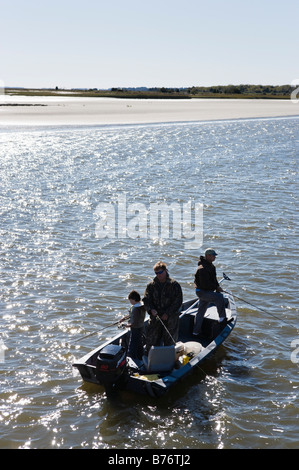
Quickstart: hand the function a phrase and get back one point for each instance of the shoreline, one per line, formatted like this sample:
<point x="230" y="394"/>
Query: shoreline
<point x="72" y="111"/>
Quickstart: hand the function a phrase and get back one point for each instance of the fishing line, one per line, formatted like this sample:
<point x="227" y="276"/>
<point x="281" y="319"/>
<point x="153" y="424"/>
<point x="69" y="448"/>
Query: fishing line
<point x="174" y="342"/>
<point x="108" y="326"/>
<point x="262" y="310"/>
<point x="255" y="306"/>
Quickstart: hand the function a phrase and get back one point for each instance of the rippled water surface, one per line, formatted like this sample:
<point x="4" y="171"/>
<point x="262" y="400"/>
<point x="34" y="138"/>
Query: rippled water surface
<point x="60" y="282"/>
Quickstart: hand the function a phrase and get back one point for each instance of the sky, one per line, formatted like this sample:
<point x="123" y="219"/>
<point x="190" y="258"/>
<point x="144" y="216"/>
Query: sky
<point x="164" y="43"/>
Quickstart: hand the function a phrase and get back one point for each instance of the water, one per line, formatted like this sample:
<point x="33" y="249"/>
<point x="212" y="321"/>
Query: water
<point x="59" y="282"/>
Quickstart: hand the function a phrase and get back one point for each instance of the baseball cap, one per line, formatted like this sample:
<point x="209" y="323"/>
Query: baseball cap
<point x="210" y="251"/>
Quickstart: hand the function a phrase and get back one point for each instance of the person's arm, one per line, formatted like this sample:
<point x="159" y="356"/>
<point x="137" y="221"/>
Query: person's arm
<point x="148" y="300"/>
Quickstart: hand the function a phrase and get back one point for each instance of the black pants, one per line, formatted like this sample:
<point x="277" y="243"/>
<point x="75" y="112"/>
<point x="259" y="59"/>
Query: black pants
<point x="136" y="343"/>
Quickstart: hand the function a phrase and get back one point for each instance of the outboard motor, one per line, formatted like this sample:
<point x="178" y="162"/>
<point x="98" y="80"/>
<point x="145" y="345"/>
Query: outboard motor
<point x="111" y="366"/>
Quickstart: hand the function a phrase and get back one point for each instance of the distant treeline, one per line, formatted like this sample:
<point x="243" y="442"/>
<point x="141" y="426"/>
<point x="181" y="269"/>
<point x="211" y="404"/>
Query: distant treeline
<point x="247" y="90"/>
<point x="219" y="91"/>
<point x="225" y="91"/>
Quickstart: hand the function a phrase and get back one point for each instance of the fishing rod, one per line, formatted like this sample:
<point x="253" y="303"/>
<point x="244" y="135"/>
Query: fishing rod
<point x="108" y="326"/>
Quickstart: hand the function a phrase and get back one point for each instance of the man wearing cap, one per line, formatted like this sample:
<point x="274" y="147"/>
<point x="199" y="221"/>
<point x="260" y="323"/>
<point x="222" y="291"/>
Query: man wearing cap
<point x="207" y="289"/>
<point x="162" y="298"/>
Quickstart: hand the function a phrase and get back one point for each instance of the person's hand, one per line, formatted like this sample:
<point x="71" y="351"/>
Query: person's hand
<point x="219" y="289"/>
<point x="164" y="317"/>
<point x="154" y="313"/>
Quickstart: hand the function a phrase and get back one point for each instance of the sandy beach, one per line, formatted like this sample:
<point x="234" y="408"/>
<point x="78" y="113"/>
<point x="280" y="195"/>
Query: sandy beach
<point x="52" y="111"/>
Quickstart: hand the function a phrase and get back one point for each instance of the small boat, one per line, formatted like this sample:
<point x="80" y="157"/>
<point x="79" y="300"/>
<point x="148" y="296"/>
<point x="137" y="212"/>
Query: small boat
<point x="110" y="366"/>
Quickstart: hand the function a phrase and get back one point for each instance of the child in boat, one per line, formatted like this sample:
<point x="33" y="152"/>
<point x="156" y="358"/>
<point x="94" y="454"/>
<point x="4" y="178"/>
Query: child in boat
<point x="136" y="324"/>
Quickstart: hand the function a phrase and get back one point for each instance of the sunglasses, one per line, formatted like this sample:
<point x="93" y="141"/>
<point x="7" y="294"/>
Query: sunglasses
<point x="159" y="272"/>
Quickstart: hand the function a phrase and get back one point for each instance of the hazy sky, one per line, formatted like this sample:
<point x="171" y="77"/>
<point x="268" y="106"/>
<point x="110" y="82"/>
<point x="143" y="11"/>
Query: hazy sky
<point x="103" y="44"/>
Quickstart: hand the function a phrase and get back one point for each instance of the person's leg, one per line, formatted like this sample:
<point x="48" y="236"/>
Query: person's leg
<point x="139" y="341"/>
<point x="153" y="333"/>
<point x="218" y="299"/>
<point x="135" y="341"/>
<point x="202" y="308"/>
<point x="205" y="298"/>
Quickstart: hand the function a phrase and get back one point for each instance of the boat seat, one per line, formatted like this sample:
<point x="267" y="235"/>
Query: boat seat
<point x="160" y="359"/>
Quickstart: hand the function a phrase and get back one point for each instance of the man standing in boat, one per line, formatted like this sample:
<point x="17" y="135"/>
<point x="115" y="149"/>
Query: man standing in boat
<point x="207" y="289"/>
<point x="163" y="300"/>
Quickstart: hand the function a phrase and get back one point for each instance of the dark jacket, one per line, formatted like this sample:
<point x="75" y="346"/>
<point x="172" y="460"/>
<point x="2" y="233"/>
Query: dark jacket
<point x="205" y="276"/>
<point x="165" y="297"/>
